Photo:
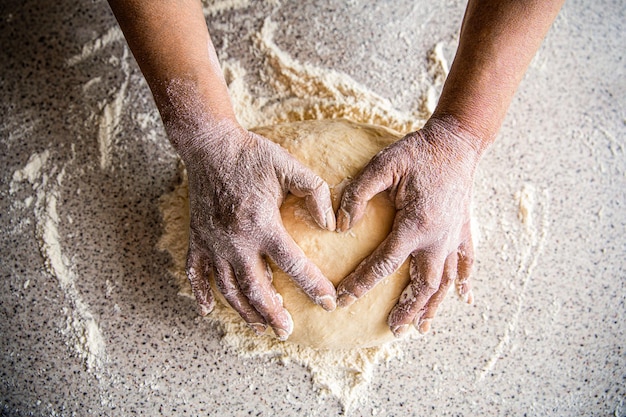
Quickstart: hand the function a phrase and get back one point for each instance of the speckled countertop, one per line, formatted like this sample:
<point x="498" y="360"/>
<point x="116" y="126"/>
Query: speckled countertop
<point x="547" y="333"/>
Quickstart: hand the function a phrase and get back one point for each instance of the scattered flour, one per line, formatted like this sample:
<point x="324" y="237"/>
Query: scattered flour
<point x="438" y="68"/>
<point x="343" y="374"/>
<point x="31" y="171"/>
<point x="82" y="330"/>
<point x="438" y="72"/>
<point x="301" y="91"/>
<point x="212" y="8"/>
<point x="526" y="203"/>
<point x="109" y="119"/>
<point x="527" y="238"/>
<point x="112" y="35"/>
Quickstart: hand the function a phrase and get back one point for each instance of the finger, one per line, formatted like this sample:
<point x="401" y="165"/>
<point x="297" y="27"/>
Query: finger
<point x="384" y="261"/>
<point x="422" y="322"/>
<point x="198" y="269"/>
<point x="426" y="271"/>
<point x="289" y="257"/>
<point x="255" y="282"/>
<point x="228" y="286"/>
<point x="465" y="264"/>
<point x="375" y="178"/>
<point x="302" y="182"/>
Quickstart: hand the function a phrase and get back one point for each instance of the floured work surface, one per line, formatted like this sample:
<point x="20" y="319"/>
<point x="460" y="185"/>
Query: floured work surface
<point x="86" y="159"/>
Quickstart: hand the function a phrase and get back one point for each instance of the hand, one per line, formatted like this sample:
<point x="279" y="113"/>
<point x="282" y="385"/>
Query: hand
<point x="429" y="175"/>
<point x="237" y="182"/>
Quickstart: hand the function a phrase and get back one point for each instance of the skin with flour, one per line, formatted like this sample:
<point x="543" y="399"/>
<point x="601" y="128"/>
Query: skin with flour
<point x="238" y="180"/>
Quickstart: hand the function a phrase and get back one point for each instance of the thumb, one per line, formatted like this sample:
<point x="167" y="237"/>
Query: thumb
<point x="302" y="182"/>
<point x="377" y="176"/>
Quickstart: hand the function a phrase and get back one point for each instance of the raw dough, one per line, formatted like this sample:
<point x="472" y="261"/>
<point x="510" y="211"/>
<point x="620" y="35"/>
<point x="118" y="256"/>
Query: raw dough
<point x="336" y="150"/>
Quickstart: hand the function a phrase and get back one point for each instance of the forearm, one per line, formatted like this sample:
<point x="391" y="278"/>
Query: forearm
<point x="172" y="46"/>
<point x="498" y="40"/>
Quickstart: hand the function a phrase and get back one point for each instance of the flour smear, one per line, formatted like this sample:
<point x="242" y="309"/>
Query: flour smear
<point x="45" y="179"/>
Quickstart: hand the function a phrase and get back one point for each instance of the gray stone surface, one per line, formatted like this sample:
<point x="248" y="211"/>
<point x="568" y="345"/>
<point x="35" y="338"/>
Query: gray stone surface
<point x="553" y="320"/>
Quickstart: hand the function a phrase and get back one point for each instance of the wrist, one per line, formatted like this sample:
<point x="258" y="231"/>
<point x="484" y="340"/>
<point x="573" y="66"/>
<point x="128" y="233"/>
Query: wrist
<point x="192" y="102"/>
<point x="211" y="142"/>
<point x="194" y="118"/>
<point x="456" y="134"/>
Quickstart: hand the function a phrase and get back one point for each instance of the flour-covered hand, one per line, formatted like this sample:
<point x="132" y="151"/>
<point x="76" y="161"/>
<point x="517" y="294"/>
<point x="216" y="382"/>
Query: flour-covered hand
<point x="429" y="175"/>
<point x="237" y="182"/>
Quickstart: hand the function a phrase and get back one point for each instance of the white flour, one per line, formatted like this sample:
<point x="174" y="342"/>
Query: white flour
<point x="211" y="8"/>
<point x="302" y="91"/>
<point x="109" y="118"/>
<point x="528" y="241"/>
<point x="81" y="328"/>
<point x="112" y="35"/>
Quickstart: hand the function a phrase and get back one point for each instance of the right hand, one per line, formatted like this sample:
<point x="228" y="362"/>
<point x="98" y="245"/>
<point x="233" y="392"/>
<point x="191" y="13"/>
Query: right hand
<point x="429" y="175"/>
<point x="237" y="182"/>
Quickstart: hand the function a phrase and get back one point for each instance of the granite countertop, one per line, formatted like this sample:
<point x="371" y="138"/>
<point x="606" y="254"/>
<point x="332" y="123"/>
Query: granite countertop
<point x="93" y="323"/>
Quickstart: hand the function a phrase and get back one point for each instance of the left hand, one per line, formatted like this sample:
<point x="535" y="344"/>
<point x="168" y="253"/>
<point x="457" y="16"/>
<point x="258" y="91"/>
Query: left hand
<point x="429" y="174"/>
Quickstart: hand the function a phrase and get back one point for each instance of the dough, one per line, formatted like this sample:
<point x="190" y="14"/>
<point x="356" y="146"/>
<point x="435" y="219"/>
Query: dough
<point x="336" y="150"/>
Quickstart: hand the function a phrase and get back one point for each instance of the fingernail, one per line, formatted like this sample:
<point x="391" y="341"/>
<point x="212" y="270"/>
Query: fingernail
<point x="206" y="309"/>
<point x="331" y="223"/>
<point x="258" y="328"/>
<point x="469" y="297"/>
<point x="281" y="334"/>
<point x="343" y="221"/>
<point x="400" y="330"/>
<point x="424" y="326"/>
<point x="346" y="300"/>
<point x="327" y="302"/>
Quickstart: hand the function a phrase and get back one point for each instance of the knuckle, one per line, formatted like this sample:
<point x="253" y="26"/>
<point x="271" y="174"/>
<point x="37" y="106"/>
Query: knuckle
<point x="401" y="240"/>
<point x="385" y="266"/>
<point x="226" y="287"/>
<point x="380" y="160"/>
<point x="446" y="280"/>
<point x="319" y="194"/>
<point x="296" y="175"/>
<point x="295" y="267"/>
<point x="426" y="289"/>
<point x="193" y="274"/>
<point x="466" y="258"/>
<point x="407" y="296"/>
<point x="430" y="287"/>
<point x="317" y="184"/>
<point x="247" y="285"/>
<point x="464" y="282"/>
<point x="350" y="195"/>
